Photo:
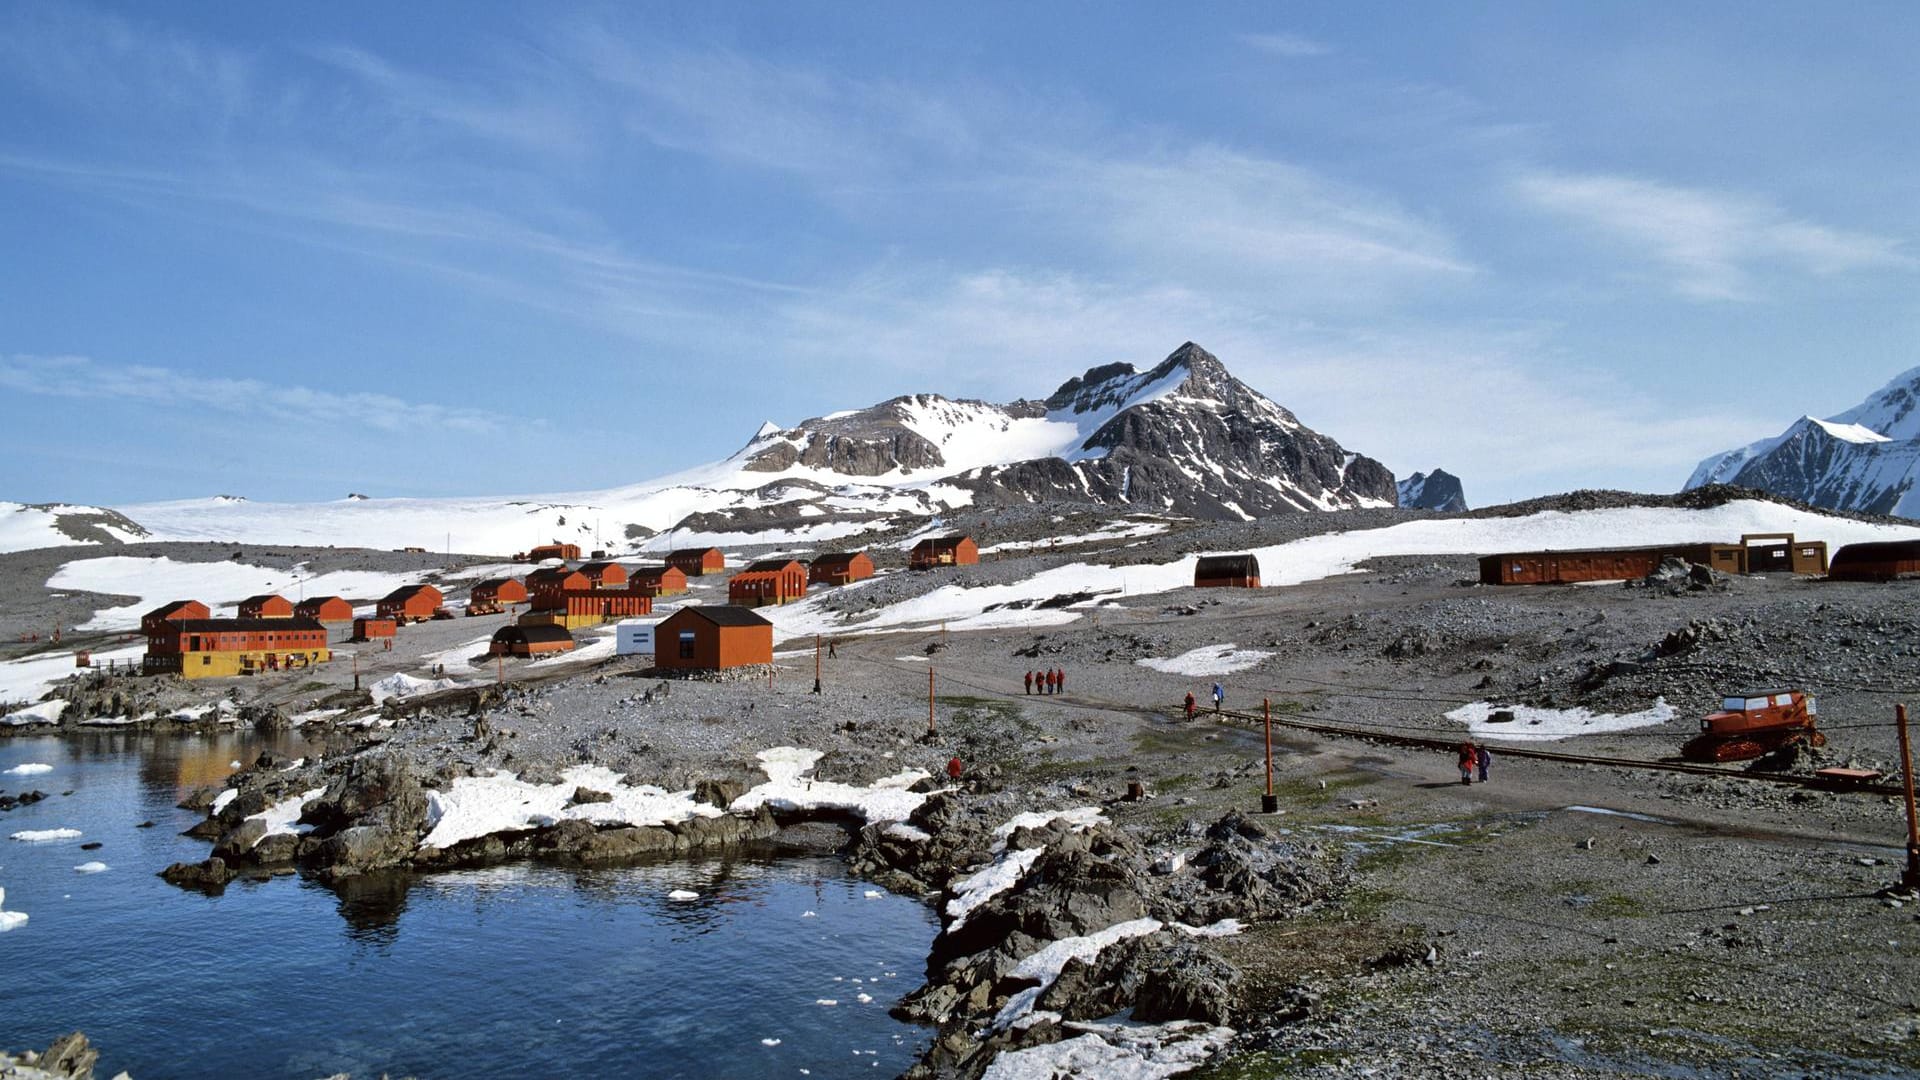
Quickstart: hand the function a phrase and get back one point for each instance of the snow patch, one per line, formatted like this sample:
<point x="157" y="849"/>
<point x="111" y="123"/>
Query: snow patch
<point x="47" y="712"/>
<point x="1046" y="965"/>
<point x="475" y="806"/>
<point x="789" y="788"/>
<point x="1545" y="725"/>
<point x="1207" y="660"/>
<point x="283" y="818"/>
<point x="1115" y="1052"/>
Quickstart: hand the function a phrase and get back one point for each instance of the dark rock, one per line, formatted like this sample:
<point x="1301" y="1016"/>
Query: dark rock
<point x="209" y="874"/>
<point x="200" y="798"/>
<point x="720" y="793"/>
<point x="588" y="795"/>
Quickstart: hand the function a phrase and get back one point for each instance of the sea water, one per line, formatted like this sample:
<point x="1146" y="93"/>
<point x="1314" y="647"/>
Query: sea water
<point x="780" y="967"/>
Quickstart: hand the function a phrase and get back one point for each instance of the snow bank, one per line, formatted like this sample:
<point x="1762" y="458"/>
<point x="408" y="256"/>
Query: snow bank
<point x="1047" y="964"/>
<point x="480" y="805"/>
<point x="159" y="580"/>
<point x="1545" y="725"/>
<point x="1207" y="660"/>
<point x="1116" y="1052"/>
<point x="402" y="685"/>
<point x="788" y="788"/>
<point x="31" y="768"/>
<point x="47" y="712"/>
<point x="41" y="836"/>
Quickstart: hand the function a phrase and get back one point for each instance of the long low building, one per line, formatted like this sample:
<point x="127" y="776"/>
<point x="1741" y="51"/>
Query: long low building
<point x="1882" y="560"/>
<point x="217" y="648"/>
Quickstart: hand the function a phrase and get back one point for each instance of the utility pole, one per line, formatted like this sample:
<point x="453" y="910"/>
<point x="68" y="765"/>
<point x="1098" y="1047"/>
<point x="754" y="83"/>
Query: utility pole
<point x="1911" y="879"/>
<point x="816" y="663"/>
<point x="1269" y="803"/>
<point x="931" y="730"/>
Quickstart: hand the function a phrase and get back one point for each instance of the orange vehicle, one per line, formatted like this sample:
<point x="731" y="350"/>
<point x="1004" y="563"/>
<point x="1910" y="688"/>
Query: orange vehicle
<point x="1755" y="724"/>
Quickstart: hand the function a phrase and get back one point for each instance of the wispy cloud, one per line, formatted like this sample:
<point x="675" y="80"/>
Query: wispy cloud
<point x="1712" y="245"/>
<point x="1291" y="46"/>
<point x="84" y="378"/>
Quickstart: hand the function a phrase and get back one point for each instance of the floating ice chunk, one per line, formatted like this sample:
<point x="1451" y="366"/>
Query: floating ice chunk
<point x="769" y="1042"/>
<point x="682" y="894"/>
<point x="863" y="999"/>
<point x="40" y="836"/>
<point x="31" y="768"/>
<point x="825" y="1001"/>
<point x="90" y="868"/>
<point x="873" y="894"/>
<point x="809" y="914"/>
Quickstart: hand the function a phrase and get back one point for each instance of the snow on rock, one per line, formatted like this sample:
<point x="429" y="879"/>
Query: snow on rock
<point x="475" y="806"/>
<point x="41" y="836"/>
<point x="1046" y="965"/>
<point x="1545" y="725"/>
<point x="47" y="712"/>
<point x="909" y="832"/>
<point x="1115" y="1052"/>
<point x="1207" y="660"/>
<point x="990" y="881"/>
<point x="789" y="788"/>
<point x="31" y="768"/>
<point x="1223" y="928"/>
<point x="90" y="868"/>
<point x="1078" y="819"/>
<point x="221" y="800"/>
<point x="283" y="818"/>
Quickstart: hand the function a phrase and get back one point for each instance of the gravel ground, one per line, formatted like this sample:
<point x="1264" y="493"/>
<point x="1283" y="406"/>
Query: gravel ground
<point x="1733" y="927"/>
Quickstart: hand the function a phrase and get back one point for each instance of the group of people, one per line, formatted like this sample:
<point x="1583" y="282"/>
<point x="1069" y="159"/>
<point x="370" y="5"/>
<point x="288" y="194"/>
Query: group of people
<point x="1046" y="682"/>
<point x="1474" y="758"/>
<point x="1219" y="699"/>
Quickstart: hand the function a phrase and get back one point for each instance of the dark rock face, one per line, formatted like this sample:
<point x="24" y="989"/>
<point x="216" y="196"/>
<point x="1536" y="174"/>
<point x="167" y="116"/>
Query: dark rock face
<point x="1437" y="490"/>
<point x="1208" y="447"/>
<point x="1185" y="437"/>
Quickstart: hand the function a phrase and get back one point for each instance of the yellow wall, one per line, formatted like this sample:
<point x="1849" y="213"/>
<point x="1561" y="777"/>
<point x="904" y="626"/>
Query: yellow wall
<point x="221" y="665"/>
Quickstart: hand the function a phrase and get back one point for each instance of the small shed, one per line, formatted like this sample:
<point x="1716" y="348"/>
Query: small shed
<point x="324" y="609"/>
<point x="703" y="638"/>
<point x="490" y="597"/>
<point x="658" y="581"/>
<point x="373" y="629"/>
<point x="266" y="606"/>
<point x="155" y="621"/>
<point x="839" y="568"/>
<point x="410" y="603"/>
<point x="634" y="637"/>
<point x="1882" y="560"/>
<point x="1226" y="572"/>
<point x="944" y="551"/>
<point x="695" y="562"/>
<point x="538" y="640"/>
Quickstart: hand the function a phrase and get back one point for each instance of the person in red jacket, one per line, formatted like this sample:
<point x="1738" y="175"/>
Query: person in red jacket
<point x="1059" y="679"/>
<point x="1029" y="682"/>
<point x="1468" y="756"/>
<point x="1189" y="704"/>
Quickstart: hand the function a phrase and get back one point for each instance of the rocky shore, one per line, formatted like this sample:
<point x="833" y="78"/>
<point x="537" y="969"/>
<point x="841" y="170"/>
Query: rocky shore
<point x="70" y="1057"/>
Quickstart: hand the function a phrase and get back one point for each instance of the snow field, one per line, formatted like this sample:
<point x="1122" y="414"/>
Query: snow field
<point x="219" y="585"/>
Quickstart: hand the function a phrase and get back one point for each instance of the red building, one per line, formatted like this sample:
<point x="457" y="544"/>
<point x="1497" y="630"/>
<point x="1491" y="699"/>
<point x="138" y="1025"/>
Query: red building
<point x="410" y="603"/>
<point x="944" y="551"/>
<point x="703" y="638"/>
<point x="658" y="581"/>
<point x="154" y="621"/>
<point x="324" y="609"/>
<point x="266" y="606"/>
<point x="839" y="568"/>
<point x="215" y="648"/>
<point x="374" y="629"/>
<point x="491" y="596"/>
<point x="770" y="581"/>
<point x="569" y="598"/>
<point x="1881" y="560"/>
<point x="1226" y="571"/>
<point x="695" y="562"/>
<point x="606" y="575"/>
<point x="544" y="552"/>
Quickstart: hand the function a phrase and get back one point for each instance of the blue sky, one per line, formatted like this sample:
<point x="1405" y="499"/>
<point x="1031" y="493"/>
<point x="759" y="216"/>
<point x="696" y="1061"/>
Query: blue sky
<point x="465" y="248"/>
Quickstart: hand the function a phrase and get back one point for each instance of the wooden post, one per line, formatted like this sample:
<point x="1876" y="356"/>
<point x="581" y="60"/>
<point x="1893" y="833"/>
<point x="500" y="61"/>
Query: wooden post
<point x="931" y="730"/>
<point x="500" y="669"/>
<point x="816" y="663"/>
<point x="1269" y="803"/>
<point x="1911" y="879"/>
<point x="356" y="671"/>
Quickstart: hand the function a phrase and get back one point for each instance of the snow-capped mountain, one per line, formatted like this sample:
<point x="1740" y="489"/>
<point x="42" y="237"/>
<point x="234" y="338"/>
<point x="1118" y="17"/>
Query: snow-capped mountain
<point x="1437" y="490"/>
<point x="1184" y="438"/>
<point x="1866" y="459"/>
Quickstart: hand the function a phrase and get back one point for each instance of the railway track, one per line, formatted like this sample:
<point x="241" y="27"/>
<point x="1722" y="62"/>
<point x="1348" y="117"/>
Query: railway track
<point x="1423" y="742"/>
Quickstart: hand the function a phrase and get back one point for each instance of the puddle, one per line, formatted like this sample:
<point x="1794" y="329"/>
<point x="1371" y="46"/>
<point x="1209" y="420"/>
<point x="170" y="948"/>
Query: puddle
<point x="1648" y="818"/>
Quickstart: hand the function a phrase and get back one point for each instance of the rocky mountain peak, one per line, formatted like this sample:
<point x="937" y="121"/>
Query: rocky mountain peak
<point x="1437" y="490"/>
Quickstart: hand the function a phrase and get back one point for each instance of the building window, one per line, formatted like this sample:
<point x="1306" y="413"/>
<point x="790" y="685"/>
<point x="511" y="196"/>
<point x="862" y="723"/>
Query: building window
<point x="686" y="644"/>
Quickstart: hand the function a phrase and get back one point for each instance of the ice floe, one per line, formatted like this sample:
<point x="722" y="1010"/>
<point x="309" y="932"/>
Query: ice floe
<point x="90" y="868"/>
<point x="42" y="836"/>
<point x="31" y="768"/>
<point x="10" y="919"/>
